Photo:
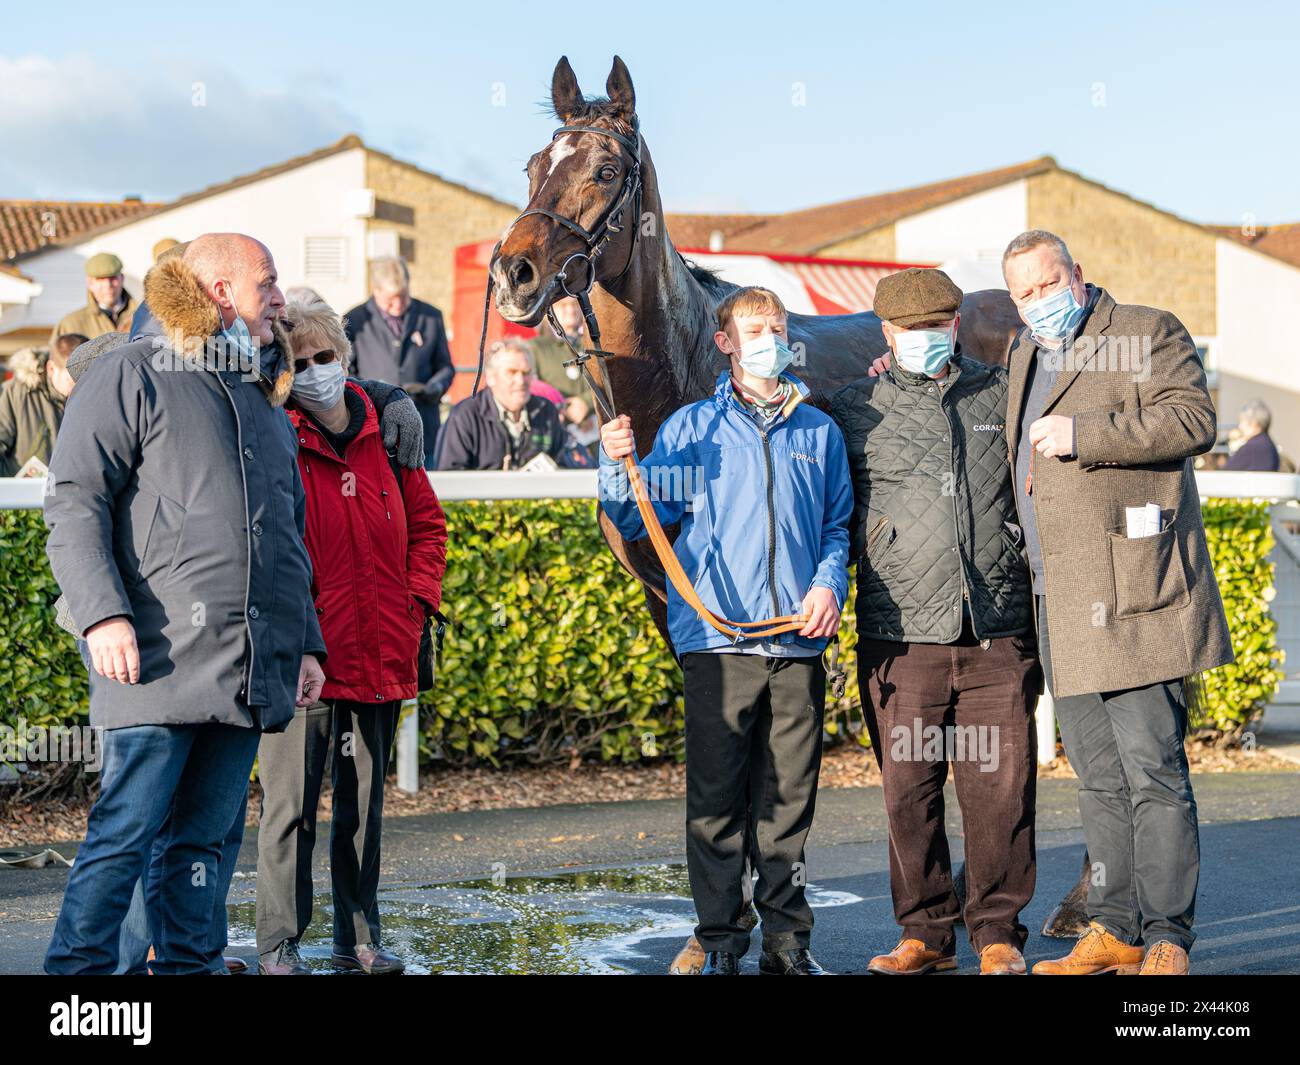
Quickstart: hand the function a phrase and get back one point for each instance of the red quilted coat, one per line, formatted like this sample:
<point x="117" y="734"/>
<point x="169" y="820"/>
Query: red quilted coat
<point x="378" y="554"/>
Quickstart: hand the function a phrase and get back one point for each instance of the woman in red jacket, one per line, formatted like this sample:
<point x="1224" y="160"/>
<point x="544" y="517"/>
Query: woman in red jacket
<point x="378" y="550"/>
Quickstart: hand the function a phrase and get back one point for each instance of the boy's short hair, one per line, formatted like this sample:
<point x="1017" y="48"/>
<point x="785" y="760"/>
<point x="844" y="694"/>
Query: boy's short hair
<point x="753" y="299"/>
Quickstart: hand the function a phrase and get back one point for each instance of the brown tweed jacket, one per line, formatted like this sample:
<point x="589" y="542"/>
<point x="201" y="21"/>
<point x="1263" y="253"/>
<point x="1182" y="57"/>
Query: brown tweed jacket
<point x="1122" y="612"/>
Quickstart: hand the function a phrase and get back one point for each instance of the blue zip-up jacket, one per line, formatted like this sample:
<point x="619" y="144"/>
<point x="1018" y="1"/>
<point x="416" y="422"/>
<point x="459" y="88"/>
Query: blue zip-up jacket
<point x="764" y="513"/>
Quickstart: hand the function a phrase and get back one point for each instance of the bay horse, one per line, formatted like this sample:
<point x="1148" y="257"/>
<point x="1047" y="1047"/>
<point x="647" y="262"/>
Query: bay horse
<point x="594" y="226"/>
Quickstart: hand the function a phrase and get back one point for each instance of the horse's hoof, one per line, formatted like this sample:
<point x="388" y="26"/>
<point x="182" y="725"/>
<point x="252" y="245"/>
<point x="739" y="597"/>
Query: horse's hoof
<point x="689" y="960"/>
<point x="1065" y="922"/>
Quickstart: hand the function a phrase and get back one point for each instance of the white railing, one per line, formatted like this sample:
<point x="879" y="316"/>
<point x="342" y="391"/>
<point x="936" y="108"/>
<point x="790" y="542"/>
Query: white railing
<point x="451" y="485"/>
<point x="455" y="485"/>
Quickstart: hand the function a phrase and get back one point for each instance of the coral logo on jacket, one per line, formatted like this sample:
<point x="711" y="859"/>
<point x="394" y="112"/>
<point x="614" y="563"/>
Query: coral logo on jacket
<point x="801" y="455"/>
<point x="988" y="427"/>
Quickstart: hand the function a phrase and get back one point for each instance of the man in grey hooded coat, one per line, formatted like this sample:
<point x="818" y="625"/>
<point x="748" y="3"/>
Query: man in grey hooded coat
<point x="175" y="513"/>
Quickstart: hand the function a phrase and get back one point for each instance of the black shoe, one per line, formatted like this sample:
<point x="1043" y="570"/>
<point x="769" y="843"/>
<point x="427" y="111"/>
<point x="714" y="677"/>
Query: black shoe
<point x="790" y="963"/>
<point x="720" y="963"/>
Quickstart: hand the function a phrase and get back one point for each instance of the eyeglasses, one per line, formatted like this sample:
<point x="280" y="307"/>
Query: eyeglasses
<point x="321" y="358"/>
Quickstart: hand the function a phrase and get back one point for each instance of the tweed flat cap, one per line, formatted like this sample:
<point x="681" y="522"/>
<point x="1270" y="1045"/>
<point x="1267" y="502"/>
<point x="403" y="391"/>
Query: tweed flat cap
<point x="916" y="295"/>
<point x="84" y="354"/>
<point x="105" y="264"/>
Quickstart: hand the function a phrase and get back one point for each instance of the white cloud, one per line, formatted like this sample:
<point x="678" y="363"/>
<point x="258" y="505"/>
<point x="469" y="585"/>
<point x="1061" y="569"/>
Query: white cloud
<point x="78" y="128"/>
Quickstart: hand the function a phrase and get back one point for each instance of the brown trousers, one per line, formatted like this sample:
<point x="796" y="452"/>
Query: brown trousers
<point x="971" y="703"/>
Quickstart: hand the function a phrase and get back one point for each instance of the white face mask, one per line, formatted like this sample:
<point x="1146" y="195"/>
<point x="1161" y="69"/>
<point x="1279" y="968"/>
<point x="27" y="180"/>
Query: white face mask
<point x="319" y="388"/>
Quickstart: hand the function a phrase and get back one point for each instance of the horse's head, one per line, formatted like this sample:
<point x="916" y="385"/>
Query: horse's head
<point x="583" y="200"/>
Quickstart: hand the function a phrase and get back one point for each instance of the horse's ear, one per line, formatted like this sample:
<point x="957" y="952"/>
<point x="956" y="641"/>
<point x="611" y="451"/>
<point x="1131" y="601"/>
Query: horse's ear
<point x="618" y="87"/>
<point x="565" y="94"/>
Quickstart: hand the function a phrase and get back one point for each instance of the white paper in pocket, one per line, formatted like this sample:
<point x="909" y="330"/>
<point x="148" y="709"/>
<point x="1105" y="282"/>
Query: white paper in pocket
<point x="1143" y="521"/>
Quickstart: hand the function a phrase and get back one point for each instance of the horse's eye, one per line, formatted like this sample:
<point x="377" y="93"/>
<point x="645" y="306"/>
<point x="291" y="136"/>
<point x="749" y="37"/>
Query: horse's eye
<point x="608" y="172"/>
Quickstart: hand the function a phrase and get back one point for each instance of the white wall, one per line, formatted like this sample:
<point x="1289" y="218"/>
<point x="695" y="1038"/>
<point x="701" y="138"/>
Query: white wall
<point x="282" y="211"/>
<point x="1257" y="350"/>
<point x="976" y="227"/>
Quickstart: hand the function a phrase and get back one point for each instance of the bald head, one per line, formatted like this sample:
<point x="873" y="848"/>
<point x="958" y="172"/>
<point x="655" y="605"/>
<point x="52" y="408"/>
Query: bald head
<point x="238" y="274"/>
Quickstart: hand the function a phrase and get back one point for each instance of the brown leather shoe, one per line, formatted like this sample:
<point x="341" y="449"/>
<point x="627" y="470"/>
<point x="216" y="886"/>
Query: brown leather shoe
<point x="283" y="961"/>
<point x="911" y="958"/>
<point x="368" y="958"/>
<point x="1164" y="959"/>
<point x="235" y="966"/>
<point x="1001" y="959"/>
<point x="689" y="960"/>
<point x="1096" y="951"/>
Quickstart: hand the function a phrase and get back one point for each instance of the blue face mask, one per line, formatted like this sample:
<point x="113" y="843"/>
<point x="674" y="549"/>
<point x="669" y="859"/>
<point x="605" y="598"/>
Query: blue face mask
<point x="1053" y="317"/>
<point x="242" y="351"/>
<point x="925" y="351"/>
<point x="765" y="356"/>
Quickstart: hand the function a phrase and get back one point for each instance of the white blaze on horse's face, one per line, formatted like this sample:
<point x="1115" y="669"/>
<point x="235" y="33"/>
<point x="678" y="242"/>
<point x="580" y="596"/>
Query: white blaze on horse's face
<point x="559" y="151"/>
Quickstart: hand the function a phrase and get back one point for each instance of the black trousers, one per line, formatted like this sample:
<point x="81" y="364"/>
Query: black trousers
<point x="291" y="767"/>
<point x="753" y="752"/>
<point x="930" y="704"/>
<point x="1136" y="804"/>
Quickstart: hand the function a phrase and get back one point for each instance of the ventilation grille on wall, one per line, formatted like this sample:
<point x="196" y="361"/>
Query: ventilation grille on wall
<point x="325" y="258"/>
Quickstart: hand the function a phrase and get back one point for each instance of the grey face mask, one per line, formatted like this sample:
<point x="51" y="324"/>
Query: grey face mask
<point x="319" y="388"/>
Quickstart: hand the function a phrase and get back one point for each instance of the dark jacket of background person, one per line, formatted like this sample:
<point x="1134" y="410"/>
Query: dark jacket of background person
<point x="91" y="322"/>
<point x="420" y="356"/>
<point x="1124" y="613"/>
<point x="176" y="503"/>
<point x="935" y="520"/>
<point x="30" y="412"/>
<point x="378" y="553"/>
<point x="1257" y="453"/>
<point x="475" y="439"/>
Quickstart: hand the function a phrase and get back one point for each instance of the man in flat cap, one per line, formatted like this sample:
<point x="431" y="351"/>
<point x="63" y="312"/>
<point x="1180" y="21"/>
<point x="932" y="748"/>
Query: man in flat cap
<point x="947" y="662"/>
<point x="109" y="306"/>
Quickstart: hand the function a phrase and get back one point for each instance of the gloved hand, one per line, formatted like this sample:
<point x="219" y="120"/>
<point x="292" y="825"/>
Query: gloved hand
<point x="413" y="388"/>
<point x="400" y="424"/>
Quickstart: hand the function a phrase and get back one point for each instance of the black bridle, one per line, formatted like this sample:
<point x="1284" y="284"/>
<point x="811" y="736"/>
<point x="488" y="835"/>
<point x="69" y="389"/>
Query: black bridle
<point x="611" y="223"/>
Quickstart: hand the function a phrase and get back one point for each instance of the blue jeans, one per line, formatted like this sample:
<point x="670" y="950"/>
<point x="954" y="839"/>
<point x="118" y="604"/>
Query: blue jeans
<point x="136" y="938"/>
<point x="179" y="786"/>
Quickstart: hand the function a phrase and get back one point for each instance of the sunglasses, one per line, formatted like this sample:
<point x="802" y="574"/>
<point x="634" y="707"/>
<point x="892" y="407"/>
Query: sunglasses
<point x="321" y="358"/>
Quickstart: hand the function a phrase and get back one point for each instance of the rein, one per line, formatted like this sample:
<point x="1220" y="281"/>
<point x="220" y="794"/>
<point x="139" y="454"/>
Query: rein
<point x="611" y="223"/>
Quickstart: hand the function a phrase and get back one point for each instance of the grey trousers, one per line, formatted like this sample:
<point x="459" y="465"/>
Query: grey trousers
<point x="291" y="767"/>
<point x="1136" y="804"/>
<point x="753" y="752"/>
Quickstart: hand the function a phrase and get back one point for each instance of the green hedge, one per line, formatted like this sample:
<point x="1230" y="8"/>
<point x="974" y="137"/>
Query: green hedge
<point x="552" y="655"/>
<point x="1240" y="535"/>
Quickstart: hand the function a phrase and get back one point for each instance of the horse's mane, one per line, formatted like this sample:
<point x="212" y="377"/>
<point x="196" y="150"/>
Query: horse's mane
<point x="708" y="279"/>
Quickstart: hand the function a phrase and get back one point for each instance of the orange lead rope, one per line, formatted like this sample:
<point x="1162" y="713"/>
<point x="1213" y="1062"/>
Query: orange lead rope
<point x="733" y="630"/>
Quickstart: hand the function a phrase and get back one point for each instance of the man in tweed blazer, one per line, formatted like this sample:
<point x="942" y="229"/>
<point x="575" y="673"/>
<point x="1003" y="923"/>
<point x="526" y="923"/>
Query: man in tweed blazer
<point x="1107" y="406"/>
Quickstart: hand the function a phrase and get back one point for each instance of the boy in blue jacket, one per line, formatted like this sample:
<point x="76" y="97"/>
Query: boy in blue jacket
<point x="759" y="480"/>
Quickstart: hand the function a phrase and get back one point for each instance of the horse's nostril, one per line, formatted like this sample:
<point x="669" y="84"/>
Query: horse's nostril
<point x="521" y="272"/>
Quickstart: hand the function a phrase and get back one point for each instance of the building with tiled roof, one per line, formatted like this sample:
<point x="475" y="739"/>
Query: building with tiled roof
<point x="1280" y="241"/>
<point x="29" y="225"/>
<point x="324" y="215"/>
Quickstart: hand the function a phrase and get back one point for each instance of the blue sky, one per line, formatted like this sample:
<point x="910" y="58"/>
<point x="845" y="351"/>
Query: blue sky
<point x="762" y="107"/>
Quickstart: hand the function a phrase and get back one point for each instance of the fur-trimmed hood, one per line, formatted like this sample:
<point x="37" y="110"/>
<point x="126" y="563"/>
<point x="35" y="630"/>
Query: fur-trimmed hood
<point x="28" y="367"/>
<point x="182" y="308"/>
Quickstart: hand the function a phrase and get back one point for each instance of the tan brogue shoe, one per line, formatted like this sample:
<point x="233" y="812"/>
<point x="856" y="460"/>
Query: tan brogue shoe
<point x="1001" y="959"/>
<point x="689" y="960"/>
<point x="911" y="958"/>
<point x="1164" y="959"/>
<point x="1096" y="951"/>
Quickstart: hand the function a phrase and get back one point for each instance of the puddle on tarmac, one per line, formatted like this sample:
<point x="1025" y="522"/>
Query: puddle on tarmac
<point x="588" y="922"/>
